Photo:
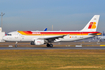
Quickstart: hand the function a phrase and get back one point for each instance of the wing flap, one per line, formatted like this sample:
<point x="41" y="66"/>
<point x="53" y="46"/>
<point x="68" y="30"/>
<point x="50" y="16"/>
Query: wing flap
<point x="51" y="39"/>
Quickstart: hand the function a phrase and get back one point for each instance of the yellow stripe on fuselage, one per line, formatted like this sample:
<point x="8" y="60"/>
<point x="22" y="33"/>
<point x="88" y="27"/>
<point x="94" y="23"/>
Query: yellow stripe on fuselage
<point x="21" y="32"/>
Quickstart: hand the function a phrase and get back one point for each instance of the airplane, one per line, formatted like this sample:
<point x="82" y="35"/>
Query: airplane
<point x="49" y="37"/>
<point x="45" y="29"/>
<point x="101" y="37"/>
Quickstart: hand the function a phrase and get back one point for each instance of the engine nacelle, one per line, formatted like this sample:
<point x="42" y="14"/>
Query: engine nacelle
<point x="38" y="42"/>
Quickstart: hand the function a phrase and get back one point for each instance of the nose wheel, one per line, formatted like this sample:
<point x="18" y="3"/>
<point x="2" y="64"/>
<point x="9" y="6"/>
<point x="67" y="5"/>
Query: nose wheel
<point x="49" y="45"/>
<point x="16" y="44"/>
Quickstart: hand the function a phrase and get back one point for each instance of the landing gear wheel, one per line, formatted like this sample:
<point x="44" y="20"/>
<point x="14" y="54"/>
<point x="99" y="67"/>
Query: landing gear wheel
<point x="16" y="44"/>
<point x="49" y="45"/>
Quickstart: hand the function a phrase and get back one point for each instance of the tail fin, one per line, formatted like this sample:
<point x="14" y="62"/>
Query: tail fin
<point x="45" y="29"/>
<point x="92" y="24"/>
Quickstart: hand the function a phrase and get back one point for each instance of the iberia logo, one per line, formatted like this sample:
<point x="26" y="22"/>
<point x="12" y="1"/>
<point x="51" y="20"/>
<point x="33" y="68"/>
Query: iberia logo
<point x="92" y="25"/>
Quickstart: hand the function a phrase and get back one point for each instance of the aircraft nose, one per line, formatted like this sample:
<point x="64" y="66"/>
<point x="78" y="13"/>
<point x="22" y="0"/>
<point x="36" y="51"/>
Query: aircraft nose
<point x="4" y="38"/>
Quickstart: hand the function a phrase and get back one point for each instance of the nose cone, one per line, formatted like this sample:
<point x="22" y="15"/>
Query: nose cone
<point x="4" y="38"/>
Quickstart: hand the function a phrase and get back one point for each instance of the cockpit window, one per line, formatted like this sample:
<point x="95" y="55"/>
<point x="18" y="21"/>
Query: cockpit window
<point x="9" y="34"/>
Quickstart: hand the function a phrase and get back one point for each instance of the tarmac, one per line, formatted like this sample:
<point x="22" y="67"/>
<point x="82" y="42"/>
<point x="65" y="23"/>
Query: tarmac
<point x="63" y="45"/>
<point x="45" y="48"/>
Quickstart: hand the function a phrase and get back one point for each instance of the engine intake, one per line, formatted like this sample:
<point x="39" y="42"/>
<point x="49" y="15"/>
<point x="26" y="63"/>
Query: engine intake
<point x="37" y="42"/>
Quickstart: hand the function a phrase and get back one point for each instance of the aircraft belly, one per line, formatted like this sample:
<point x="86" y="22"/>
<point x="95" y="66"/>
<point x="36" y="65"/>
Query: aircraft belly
<point x="74" y="38"/>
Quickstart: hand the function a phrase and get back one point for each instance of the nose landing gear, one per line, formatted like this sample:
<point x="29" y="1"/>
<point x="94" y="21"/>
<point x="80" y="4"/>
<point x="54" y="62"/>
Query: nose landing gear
<point x="16" y="44"/>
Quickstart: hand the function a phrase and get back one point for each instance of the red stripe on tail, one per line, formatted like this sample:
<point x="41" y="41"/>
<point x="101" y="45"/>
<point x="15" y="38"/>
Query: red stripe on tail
<point x="91" y="23"/>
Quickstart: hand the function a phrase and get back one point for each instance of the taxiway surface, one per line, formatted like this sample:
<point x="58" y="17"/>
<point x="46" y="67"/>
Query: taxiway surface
<point x="44" y="48"/>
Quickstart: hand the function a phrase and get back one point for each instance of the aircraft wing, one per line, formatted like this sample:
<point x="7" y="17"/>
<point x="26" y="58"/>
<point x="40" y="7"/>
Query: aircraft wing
<point x="51" y="39"/>
<point x="55" y="37"/>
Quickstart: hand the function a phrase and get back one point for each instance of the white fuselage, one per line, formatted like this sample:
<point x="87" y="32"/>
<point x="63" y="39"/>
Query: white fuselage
<point x="15" y="36"/>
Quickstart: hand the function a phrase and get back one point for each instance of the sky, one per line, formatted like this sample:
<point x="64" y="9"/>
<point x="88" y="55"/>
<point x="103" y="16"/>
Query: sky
<point x="64" y="15"/>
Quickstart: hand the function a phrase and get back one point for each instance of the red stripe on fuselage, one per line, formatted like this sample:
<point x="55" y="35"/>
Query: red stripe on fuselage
<point x="67" y="32"/>
<point x="56" y="33"/>
<point x="27" y="32"/>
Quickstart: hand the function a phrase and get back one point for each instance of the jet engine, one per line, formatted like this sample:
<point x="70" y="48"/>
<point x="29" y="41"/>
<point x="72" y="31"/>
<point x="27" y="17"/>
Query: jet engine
<point x="37" y="42"/>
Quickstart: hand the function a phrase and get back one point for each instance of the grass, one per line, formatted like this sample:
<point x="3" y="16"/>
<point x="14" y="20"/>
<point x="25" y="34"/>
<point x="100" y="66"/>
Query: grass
<point x="52" y="59"/>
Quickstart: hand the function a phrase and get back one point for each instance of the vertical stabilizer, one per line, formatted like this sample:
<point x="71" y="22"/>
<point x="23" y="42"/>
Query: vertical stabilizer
<point x="92" y="24"/>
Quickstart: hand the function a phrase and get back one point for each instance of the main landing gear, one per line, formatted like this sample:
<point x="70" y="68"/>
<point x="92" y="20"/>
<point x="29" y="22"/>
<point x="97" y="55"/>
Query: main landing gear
<point x="49" y="45"/>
